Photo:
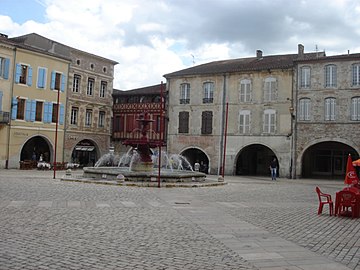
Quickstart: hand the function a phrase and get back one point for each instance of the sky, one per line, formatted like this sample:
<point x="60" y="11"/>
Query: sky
<point x="150" y="38"/>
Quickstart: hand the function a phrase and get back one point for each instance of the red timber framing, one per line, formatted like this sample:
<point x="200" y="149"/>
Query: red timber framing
<point x="129" y="105"/>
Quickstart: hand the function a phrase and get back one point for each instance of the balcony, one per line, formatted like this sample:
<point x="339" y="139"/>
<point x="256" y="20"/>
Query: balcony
<point x="185" y="101"/>
<point x="4" y="118"/>
<point x="208" y="100"/>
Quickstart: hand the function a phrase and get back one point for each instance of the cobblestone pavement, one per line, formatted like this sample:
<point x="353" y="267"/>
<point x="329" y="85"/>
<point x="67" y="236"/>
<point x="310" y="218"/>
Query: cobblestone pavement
<point x="251" y="223"/>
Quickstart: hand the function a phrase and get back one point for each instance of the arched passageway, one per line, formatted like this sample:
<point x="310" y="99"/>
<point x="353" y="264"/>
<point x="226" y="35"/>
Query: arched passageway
<point x="326" y="160"/>
<point x="84" y="153"/>
<point x="254" y="160"/>
<point x="34" y="148"/>
<point x="196" y="155"/>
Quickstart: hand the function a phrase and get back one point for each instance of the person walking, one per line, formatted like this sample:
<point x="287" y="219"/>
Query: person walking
<point x="273" y="169"/>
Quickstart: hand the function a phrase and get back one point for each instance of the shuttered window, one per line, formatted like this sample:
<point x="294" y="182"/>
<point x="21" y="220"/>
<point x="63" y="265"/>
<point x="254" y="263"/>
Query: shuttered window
<point x="183" y="122"/>
<point x="206" y="123"/>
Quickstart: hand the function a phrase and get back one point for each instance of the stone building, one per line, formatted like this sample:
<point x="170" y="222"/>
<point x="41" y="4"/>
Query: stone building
<point x="89" y="100"/>
<point x="238" y="111"/>
<point x="33" y="89"/>
<point x="327" y="108"/>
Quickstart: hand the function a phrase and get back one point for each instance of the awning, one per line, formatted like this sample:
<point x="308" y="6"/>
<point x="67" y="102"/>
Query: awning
<point x="85" y="148"/>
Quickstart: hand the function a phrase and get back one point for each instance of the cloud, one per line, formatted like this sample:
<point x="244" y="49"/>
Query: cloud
<point x="152" y="38"/>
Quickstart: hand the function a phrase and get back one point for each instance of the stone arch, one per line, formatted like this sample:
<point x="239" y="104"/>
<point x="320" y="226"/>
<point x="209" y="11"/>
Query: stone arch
<point x="85" y="153"/>
<point x="254" y="159"/>
<point x="34" y="147"/>
<point x="325" y="158"/>
<point x="193" y="154"/>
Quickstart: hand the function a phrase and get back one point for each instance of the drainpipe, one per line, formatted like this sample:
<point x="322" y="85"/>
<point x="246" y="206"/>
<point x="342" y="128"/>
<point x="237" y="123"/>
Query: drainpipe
<point x="11" y="105"/>
<point x="294" y="136"/>
<point x="222" y="125"/>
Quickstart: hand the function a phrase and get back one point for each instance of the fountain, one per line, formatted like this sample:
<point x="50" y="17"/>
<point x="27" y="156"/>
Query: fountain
<point x="140" y="165"/>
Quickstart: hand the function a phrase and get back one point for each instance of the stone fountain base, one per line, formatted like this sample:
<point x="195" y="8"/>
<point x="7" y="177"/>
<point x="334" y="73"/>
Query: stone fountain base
<point x="123" y="176"/>
<point x="115" y="173"/>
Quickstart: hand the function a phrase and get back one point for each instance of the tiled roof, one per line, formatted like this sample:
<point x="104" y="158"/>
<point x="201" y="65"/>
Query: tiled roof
<point x="48" y="45"/>
<point x="148" y="90"/>
<point x="245" y="64"/>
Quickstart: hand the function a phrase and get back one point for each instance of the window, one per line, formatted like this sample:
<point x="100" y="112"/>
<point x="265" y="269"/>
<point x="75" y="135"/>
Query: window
<point x="54" y="113"/>
<point x="90" y="87"/>
<point x="304" y="109"/>
<point x="130" y="123"/>
<point x="101" y="119"/>
<point x="74" y="116"/>
<point x="244" y="122"/>
<point x="305" y="77"/>
<point x="76" y="83"/>
<point x="88" y="118"/>
<point x="206" y="123"/>
<point x="48" y="111"/>
<point x="355" y="109"/>
<point x="57" y="81"/>
<point x="208" y="92"/>
<point x="356" y="75"/>
<point x="103" y="87"/>
<point x="269" y="121"/>
<point x="245" y="91"/>
<point x="330" y="76"/>
<point x="330" y="104"/>
<point x="20" y="109"/>
<point x="183" y="122"/>
<point x="185" y="93"/>
<point x="23" y="74"/>
<point x="39" y="111"/>
<point x="157" y="124"/>
<point x="119" y="123"/>
<point x="4" y="67"/>
<point x="41" y="79"/>
<point x="270" y="89"/>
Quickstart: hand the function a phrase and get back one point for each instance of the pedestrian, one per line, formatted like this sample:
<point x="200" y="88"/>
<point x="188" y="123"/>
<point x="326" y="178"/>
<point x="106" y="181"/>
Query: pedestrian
<point x="273" y="169"/>
<point x="197" y="166"/>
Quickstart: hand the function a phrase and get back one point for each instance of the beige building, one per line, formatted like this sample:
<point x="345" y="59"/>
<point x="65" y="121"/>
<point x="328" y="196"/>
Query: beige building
<point x="327" y="127"/>
<point x="237" y="110"/>
<point x="36" y="101"/>
<point x="89" y="100"/>
<point x="7" y="52"/>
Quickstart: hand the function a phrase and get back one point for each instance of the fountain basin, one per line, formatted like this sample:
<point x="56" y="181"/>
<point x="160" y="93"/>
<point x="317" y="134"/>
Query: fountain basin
<point x="166" y="175"/>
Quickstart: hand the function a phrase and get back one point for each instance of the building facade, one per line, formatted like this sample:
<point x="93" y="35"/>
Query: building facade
<point x="36" y="99"/>
<point x="128" y="107"/>
<point x="235" y="116"/>
<point x="327" y="127"/>
<point x="7" y="55"/>
<point x="89" y="100"/>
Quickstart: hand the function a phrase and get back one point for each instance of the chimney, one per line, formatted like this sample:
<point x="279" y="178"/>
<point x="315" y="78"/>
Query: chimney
<point x="300" y="50"/>
<point x="259" y="54"/>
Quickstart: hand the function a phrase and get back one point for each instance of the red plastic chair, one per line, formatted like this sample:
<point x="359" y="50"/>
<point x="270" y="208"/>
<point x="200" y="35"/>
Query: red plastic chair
<point x="346" y="199"/>
<point x="324" y="199"/>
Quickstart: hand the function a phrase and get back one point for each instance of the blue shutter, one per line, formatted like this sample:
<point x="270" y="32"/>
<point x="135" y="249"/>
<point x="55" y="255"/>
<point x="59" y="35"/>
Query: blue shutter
<point x="14" y="108"/>
<point x="29" y="78"/>
<point x="6" y="68"/>
<point x="46" y="109"/>
<point x="33" y="110"/>
<point x="52" y="85"/>
<point x="18" y="73"/>
<point x="50" y="112"/>
<point x="63" y="81"/>
<point x="28" y="110"/>
<point x="62" y="110"/>
<point x="41" y="78"/>
<point x="1" y="95"/>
